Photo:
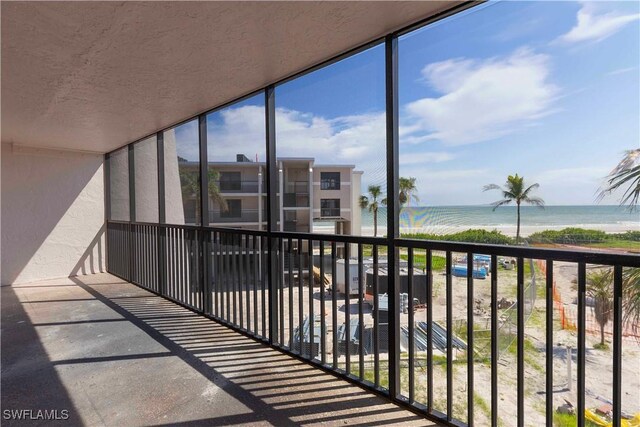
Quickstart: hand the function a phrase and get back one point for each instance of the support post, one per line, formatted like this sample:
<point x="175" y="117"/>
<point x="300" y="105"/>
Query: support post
<point x="391" y="88"/>
<point x="272" y="212"/>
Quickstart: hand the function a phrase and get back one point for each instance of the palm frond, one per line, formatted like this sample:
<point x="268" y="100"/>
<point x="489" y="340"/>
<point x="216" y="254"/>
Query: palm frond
<point x="491" y="187"/>
<point x="499" y="203"/>
<point x="536" y="201"/>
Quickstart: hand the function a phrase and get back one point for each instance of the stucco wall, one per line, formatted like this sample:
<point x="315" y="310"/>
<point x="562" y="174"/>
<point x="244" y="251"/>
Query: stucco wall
<point x="52" y="214"/>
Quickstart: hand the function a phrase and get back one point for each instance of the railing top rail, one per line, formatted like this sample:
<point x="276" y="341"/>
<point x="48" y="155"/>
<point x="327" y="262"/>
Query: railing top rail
<point x="569" y="255"/>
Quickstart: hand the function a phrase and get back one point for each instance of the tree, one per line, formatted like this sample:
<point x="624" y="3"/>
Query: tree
<point x="190" y="186"/>
<point x="514" y="191"/>
<point x="600" y="288"/>
<point x="407" y="188"/>
<point x="372" y="205"/>
<point x="631" y="297"/>
<point x="627" y="173"/>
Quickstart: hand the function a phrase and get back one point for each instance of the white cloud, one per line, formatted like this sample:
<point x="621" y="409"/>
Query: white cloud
<point x="595" y="26"/>
<point x="481" y="99"/>
<point x="621" y="71"/>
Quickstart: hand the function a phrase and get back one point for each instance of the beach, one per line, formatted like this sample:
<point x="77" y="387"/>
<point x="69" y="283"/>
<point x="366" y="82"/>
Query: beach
<point x="443" y="220"/>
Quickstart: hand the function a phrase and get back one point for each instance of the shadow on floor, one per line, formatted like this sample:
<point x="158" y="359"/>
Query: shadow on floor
<point x="275" y="389"/>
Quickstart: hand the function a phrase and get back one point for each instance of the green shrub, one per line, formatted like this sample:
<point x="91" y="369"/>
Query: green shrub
<point x="633" y="236"/>
<point x="467" y="236"/>
<point x="568" y="236"/>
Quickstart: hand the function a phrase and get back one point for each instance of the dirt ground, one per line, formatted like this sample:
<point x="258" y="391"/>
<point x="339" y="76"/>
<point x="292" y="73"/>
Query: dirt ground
<point x="599" y="363"/>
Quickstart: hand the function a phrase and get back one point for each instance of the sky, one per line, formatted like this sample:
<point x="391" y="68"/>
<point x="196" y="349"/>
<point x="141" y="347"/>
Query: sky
<point x="549" y="90"/>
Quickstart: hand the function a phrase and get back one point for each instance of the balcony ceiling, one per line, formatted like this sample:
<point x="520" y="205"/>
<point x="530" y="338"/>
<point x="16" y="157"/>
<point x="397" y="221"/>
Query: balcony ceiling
<point x="94" y="76"/>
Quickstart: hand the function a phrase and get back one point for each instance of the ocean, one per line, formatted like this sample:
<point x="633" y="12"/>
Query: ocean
<point x="450" y="219"/>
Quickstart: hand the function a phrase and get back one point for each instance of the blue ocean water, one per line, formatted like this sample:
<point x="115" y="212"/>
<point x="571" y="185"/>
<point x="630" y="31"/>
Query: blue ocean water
<point x="427" y="217"/>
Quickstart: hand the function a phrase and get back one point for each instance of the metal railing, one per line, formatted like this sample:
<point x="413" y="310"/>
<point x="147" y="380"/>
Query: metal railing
<point x="412" y="328"/>
<point x="329" y="212"/>
<point x="245" y="215"/>
<point x="297" y="187"/>
<point x="240" y="186"/>
<point x="295" y="200"/>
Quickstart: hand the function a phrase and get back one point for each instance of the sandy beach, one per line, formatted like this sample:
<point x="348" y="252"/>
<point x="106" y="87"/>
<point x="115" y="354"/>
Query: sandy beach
<point x="509" y="230"/>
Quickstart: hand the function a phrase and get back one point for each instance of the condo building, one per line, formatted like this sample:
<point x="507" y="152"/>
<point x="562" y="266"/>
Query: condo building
<point x="324" y="196"/>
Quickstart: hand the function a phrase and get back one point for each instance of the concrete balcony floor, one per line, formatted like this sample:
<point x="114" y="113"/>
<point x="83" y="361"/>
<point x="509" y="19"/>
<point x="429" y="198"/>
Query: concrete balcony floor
<point x="114" y="354"/>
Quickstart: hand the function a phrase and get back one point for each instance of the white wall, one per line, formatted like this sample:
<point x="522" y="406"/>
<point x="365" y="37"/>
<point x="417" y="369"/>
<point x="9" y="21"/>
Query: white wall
<point x="52" y="214"/>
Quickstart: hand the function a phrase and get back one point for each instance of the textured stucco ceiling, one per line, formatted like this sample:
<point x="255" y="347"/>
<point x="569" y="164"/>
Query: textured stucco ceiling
<point x="96" y="75"/>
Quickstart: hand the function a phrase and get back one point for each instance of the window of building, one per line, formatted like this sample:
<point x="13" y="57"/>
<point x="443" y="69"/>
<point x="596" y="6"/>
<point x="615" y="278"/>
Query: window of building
<point x="230" y="181"/>
<point x="329" y="207"/>
<point x="234" y="209"/>
<point x="329" y="180"/>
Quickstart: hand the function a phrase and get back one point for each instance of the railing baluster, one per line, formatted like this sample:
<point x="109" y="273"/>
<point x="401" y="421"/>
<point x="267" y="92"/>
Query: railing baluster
<point x="429" y="272"/>
<point x="290" y="285"/>
<point x="376" y="320"/>
<point x="360" y="311"/>
<point x="449" y="322"/>
<point x="582" y="290"/>
<point x="312" y="321"/>
<point x="494" y="341"/>
<point x="323" y="322"/>
<point x="412" y="377"/>
<point x="227" y="281"/>
<point x="520" y="342"/>
<point x="549" y="343"/>
<point x="617" y="345"/>
<point x="241" y="281"/>
<point x="300" y="298"/>
<point x="470" y="302"/>
<point x="281" y="291"/>
<point x="256" y="264"/>
<point x="334" y="308"/>
<point x="347" y="310"/>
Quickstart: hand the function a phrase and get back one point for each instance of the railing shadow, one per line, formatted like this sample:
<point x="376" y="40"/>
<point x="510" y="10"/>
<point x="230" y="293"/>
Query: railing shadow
<point x="279" y="389"/>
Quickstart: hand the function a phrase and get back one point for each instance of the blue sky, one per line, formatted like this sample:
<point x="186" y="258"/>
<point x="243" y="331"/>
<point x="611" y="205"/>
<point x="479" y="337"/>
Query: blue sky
<point x="549" y="90"/>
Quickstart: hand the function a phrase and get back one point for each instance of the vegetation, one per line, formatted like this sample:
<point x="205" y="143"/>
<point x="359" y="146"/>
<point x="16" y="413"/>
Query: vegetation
<point x="372" y="204"/>
<point x="467" y="236"/>
<point x="631" y="297"/>
<point x="570" y="235"/>
<point x="587" y="237"/>
<point x="600" y="288"/>
<point x="407" y="188"/>
<point x="514" y="191"/>
<point x="190" y="187"/>
<point x="625" y="174"/>
<point x="420" y="261"/>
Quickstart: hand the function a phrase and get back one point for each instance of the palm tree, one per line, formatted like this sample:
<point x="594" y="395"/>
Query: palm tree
<point x="626" y="173"/>
<point x="600" y="288"/>
<point x="190" y="186"/>
<point x="373" y="205"/>
<point x="407" y="188"/>
<point x="631" y="297"/>
<point x="514" y="191"/>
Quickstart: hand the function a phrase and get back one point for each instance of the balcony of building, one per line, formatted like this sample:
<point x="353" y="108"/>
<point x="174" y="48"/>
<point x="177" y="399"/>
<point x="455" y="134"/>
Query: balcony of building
<point x="140" y="287"/>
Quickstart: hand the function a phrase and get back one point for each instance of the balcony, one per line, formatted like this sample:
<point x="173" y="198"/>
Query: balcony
<point x="450" y="326"/>
<point x="110" y="353"/>
<point x="246" y="215"/>
<point x="240" y="186"/>
<point x="330" y="213"/>
<point x="295" y="200"/>
<point x="297" y="187"/>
